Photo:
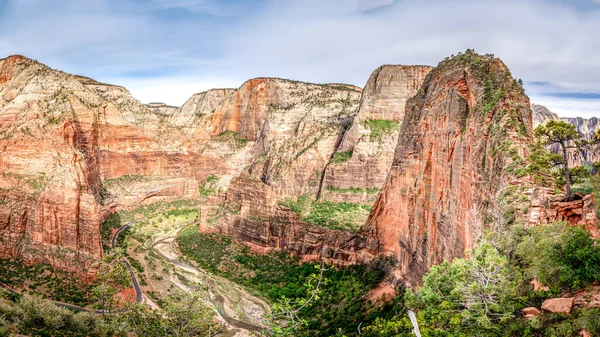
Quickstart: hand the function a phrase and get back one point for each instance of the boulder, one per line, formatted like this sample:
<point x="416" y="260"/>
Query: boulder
<point x="531" y="312"/>
<point x="558" y="305"/>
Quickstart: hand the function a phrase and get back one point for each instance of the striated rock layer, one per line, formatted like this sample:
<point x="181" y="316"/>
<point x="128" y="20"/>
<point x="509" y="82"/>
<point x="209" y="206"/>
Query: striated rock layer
<point x="368" y="142"/>
<point x="463" y="136"/>
<point x="296" y="152"/>
<point x="64" y="138"/>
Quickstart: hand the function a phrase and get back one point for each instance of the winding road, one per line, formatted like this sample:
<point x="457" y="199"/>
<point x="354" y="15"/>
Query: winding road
<point x="217" y="302"/>
<point x="139" y="296"/>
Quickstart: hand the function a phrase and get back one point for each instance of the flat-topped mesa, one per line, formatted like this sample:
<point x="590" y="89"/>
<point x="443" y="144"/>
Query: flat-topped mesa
<point x="463" y="139"/>
<point x="370" y="142"/>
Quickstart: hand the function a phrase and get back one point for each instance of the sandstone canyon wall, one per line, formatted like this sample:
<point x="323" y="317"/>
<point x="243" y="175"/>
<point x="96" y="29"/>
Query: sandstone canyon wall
<point x="261" y="158"/>
<point x="296" y="154"/>
<point x="465" y="134"/>
<point x="63" y="138"/>
<point x="372" y="138"/>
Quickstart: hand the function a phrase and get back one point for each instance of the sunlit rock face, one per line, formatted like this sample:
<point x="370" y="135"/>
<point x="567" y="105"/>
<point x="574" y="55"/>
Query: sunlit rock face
<point x="62" y="138"/>
<point x="369" y="147"/>
<point x="463" y="134"/>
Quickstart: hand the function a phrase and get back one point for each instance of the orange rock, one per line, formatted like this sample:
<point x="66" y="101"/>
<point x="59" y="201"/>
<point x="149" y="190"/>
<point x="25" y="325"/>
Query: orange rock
<point x="443" y="169"/>
<point x="558" y="305"/>
<point x="538" y="286"/>
<point x="531" y="312"/>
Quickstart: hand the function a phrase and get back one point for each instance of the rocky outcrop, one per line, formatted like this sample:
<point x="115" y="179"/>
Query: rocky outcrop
<point x="542" y="115"/>
<point x="162" y="109"/>
<point x="249" y="212"/>
<point x="464" y="135"/>
<point x="531" y="312"/>
<point x="545" y="207"/>
<point x="75" y="148"/>
<point x="371" y="140"/>
<point x="587" y="128"/>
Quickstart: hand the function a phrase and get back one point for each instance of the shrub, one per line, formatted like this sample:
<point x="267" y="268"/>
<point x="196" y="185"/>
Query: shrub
<point x="380" y="127"/>
<point x="561" y="257"/>
<point x="340" y="157"/>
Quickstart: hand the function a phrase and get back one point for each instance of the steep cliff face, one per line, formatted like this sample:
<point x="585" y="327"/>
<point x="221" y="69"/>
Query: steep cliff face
<point x="586" y="128"/>
<point x="370" y="142"/>
<point x="280" y="132"/>
<point x="464" y="135"/>
<point x="49" y="184"/>
<point x="541" y="115"/>
<point x="64" y="139"/>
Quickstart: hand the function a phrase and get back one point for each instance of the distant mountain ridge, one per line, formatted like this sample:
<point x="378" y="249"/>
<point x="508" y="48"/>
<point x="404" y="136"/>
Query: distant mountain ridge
<point x="587" y="127"/>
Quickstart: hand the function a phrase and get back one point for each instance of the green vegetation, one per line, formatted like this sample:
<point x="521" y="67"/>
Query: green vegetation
<point x="209" y="187"/>
<point x="342" y="304"/>
<point x="43" y="280"/>
<point x="232" y="138"/>
<point x="125" y="180"/>
<point x="380" y="127"/>
<point x="341" y="157"/>
<point x="483" y="295"/>
<point x="564" y="135"/>
<point x="356" y="190"/>
<point x="334" y="215"/>
<point x="561" y="257"/>
<point x="110" y="224"/>
<point x="174" y="207"/>
<point x="182" y="314"/>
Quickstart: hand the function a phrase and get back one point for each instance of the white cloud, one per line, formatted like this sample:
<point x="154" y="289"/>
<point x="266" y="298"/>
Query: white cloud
<point x="166" y="50"/>
<point x="570" y="107"/>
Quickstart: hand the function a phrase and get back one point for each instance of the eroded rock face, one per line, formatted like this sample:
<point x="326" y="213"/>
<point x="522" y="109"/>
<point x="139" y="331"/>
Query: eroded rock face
<point x="368" y="143"/>
<point x="63" y="138"/>
<point x="546" y="207"/>
<point x="463" y="135"/>
<point x="252" y="216"/>
<point x="587" y="128"/>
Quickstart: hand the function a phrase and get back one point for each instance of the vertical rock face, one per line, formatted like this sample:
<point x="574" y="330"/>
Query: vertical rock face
<point x="463" y="136"/>
<point x="280" y="132"/>
<point x="49" y="183"/>
<point x="371" y="140"/>
<point x="586" y="128"/>
<point x="63" y="138"/>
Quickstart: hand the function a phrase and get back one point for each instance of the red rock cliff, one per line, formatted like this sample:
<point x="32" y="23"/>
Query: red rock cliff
<point x="63" y="138"/>
<point x="463" y="136"/>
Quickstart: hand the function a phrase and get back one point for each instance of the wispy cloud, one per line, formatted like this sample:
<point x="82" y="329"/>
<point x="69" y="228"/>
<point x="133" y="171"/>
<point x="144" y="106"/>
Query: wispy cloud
<point x="165" y="49"/>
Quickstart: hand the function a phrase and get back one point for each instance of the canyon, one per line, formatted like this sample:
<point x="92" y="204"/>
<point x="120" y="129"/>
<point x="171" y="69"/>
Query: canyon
<point x="325" y="171"/>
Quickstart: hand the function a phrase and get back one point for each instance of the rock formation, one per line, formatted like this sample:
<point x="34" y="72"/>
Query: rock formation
<point x="263" y="156"/>
<point x="371" y="141"/>
<point x="64" y="138"/>
<point x="464" y="136"/>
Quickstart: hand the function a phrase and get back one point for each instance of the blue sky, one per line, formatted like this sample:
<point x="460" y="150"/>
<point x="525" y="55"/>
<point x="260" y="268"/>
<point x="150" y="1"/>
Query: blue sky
<point x="167" y="50"/>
